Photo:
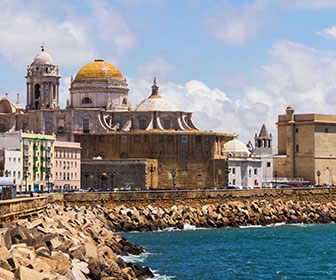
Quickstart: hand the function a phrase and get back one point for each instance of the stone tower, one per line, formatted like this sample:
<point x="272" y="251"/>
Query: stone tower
<point x="263" y="141"/>
<point x="42" y="83"/>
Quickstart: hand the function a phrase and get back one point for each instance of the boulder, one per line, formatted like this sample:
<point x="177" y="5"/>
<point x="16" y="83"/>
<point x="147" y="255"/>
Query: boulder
<point x="6" y="275"/>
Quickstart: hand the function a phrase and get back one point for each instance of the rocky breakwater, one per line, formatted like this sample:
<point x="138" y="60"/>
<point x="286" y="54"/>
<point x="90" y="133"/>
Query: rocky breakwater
<point x="67" y="244"/>
<point x="232" y="214"/>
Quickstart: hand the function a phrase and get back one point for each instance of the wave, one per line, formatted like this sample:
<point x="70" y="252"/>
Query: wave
<point x="161" y="277"/>
<point x="136" y="258"/>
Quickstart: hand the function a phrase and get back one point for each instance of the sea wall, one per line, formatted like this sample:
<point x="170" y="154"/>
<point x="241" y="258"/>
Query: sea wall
<point x="146" y="211"/>
<point x="210" y="208"/>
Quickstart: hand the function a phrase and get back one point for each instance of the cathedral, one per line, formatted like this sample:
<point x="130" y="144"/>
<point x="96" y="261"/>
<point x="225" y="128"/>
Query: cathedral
<point x="100" y="116"/>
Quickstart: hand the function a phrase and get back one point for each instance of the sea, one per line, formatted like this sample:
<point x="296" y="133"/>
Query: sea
<point x="297" y="251"/>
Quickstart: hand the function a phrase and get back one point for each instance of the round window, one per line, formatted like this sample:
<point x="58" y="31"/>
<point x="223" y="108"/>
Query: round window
<point x="184" y="156"/>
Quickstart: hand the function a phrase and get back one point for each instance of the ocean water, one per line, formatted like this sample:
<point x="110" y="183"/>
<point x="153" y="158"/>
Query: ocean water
<point x="278" y="252"/>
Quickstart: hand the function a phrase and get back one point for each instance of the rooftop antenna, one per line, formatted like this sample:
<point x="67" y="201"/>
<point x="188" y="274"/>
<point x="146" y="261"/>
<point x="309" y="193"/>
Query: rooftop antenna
<point x="42" y="47"/>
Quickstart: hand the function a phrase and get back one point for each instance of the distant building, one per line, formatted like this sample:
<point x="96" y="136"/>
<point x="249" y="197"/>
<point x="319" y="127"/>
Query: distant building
<point x="99" y="115"/>
<point x="263" y="147"/>
<point x="11" y="165"/>
<point x="67" y="165"/>
<point x="36" y="161"/>
<point x="306" y="148"/>
<point x="124" y="173"/>
<point x="243" y="167"/>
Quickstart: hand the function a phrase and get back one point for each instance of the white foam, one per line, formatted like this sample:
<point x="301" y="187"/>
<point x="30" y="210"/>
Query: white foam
<point x="251" y="226"/>
<point x="161" y="277"/>
<point x="136" y="258"/>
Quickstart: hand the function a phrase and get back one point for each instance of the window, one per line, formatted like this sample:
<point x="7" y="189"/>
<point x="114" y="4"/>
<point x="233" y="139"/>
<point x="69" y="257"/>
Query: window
<point x="184" y="139"/>
<point x="268" y="164"/>
<point x="123" y="139"/>
<point x="14" y="173"/>
<point x="256" y="182"/>
<point x="142" y="124"/>
<point x="14" y="159"/>
<point x="166" y="124"/>
<point x="250" y="173"/>
<point x="198" y="138"/>
<point x="233" y="181"/>
<point x="255" y="171"/>
<point x="10" y="159"/>
<point x="19" y="174"/>
<point x="296" y="130"/>
<point x="85" y="152"/>
<point x="86" y="125"/>
<point x="86" y="100"/>
<point x="297" y="148"/>
<point x="124" y="102"/>
<point x="233" y="170"/>
<point x="75" y="164"/>
<point x="326" y="130"/>
<point x="19" y="160"/>
<point x="184" y="156"/>
<point x="170" y="139"/>
<point x="56" y="163"/>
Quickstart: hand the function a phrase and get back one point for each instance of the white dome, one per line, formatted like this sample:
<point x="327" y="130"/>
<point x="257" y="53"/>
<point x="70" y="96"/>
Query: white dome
<point x="43" y="58"/>
<point x="236" y="147"/>
<point x="156" y="103"/>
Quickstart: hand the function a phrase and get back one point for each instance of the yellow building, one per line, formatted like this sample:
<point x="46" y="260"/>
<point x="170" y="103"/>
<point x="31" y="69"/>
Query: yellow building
<point x="306" y="148"/>
<point x="37" y="158"/>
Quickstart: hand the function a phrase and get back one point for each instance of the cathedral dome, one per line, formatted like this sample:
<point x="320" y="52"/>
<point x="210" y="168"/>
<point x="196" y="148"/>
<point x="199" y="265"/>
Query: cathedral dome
<point x="156" y="104"/>
<point x="43" y="58"/>
<point x="98" y="70"/>
<point x="236" y="147"/>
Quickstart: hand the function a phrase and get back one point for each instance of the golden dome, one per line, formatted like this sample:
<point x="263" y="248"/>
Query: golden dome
<point x="98" y="70"/>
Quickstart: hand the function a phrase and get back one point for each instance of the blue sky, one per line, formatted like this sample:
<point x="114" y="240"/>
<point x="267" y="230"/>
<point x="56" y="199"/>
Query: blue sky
<point x="235" y="64"/>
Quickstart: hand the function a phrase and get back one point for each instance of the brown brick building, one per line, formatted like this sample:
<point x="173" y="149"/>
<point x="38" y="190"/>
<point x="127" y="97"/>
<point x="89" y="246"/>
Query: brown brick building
<point x="306" y="147"/>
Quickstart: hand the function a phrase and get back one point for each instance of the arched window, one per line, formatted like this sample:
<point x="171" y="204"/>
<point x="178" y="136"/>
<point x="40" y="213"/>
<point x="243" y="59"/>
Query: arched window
<point x="124" y="101"/>
<point x="123" y="155"/>
<point x="37" y="91"/>
<point x="87" y="100"/>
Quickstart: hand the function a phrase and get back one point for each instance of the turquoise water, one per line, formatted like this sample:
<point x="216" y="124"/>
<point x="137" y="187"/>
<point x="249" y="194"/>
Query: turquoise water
<point x="279" y="252"/>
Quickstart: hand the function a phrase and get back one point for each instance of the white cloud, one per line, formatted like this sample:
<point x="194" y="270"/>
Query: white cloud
<point x="294" y="75"/>
<point x="237" y="24"/>
<point x="329" y="33"/>
<point x="72" y="38"/>
<point x="305" y="4"/>
<point x="156" y="66"/>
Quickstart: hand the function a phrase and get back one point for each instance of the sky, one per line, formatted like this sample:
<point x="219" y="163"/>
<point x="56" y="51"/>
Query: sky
<point x="235" y="64"/>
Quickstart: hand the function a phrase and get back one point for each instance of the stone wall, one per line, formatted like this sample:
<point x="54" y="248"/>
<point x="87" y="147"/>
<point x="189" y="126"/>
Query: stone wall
<point x="14" y="208"/>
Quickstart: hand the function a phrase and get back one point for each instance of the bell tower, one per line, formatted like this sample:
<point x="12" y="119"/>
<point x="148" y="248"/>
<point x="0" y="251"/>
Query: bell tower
<point x="263" y="141"/>
<point x="42" y="83"/>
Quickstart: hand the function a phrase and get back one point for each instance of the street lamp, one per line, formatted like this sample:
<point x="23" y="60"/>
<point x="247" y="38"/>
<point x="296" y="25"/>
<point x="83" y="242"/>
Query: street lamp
<point x="48" y="176"/>
<point x="151" y="170"/>
<point x="25" y="176"/>
<point x="98" y="176"/>
<point x="112" y="175"/>
<point x="173" y="174"/>
<point x="86" y="175"/>
<point x="275" y="177"/>
<point x="318" y="176"/>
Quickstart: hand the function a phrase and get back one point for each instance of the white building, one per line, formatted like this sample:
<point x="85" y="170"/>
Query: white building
<point x="12" y="165"/>
<point x="263" y="148"/>
<point x="244" y="168"/>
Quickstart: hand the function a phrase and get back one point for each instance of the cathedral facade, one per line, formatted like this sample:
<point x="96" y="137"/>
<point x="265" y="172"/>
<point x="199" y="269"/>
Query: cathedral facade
<point x="100" y="117"/>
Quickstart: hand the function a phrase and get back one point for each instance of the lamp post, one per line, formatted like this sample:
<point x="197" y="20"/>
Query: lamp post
<point x="98" y="177"/>
<point x="112" y="175"/>
<point x="25" y="176"/>
<point x="151" y="170"/>
<point x="318" y="173"/>
<point x="86" y="175"/>
<point x="173" y="174"/>
<point x="48" y="176"/>
<point x="275" y="177"/>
